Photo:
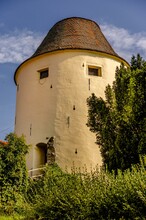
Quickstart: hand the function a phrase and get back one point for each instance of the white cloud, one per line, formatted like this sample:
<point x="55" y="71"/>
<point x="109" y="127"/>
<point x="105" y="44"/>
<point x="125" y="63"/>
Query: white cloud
<point x="17" y="46"/>
<point x="125" y="43"/>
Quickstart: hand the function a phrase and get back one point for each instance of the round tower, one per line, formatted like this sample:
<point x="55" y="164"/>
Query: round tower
<point x="73" y="61"/>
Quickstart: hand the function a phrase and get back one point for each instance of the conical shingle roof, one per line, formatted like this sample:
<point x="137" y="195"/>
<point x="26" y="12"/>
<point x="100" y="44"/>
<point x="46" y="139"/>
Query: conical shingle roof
<point x="75" y="33"/>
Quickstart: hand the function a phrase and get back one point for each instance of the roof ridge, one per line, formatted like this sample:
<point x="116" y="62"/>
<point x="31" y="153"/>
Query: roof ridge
<point x="76" y="17"/>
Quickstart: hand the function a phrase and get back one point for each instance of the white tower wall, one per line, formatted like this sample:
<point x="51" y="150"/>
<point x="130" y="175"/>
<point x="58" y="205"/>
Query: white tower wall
<point x="45" y="107"/>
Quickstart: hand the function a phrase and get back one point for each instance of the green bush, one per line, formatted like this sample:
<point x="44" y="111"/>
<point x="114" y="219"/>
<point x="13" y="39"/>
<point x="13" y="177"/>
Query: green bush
<point x="101" y="195"/>
<point x="97" y="195"/>
<point x="13" y="174"/>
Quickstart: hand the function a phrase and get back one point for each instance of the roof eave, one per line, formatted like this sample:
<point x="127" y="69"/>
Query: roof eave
<point x="102" y="52"/>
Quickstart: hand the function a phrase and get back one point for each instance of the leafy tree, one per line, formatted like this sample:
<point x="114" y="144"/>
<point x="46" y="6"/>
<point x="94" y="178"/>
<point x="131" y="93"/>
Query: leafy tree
<point x="13" y="173"/>
<point x="119" y="121"/>
<point x="12" y="163"/>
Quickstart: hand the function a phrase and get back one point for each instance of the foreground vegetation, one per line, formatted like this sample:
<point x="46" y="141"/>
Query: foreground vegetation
<point x="59" y="195"/>
<point x="118" y="192"/>
<point x="94" y="195"/>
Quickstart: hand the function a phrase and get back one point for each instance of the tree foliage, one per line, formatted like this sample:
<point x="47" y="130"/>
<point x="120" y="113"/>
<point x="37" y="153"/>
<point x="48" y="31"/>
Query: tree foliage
<point x="12" y="161"/>
<point x="13" y="173"/>
<point x="119" y="121"/>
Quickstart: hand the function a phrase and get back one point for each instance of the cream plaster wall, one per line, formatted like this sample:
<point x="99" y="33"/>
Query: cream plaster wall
<point x="42" y="111"/>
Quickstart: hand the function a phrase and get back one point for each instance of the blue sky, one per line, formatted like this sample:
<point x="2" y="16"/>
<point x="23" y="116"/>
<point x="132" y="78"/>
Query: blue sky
<point x="23" y="25"/>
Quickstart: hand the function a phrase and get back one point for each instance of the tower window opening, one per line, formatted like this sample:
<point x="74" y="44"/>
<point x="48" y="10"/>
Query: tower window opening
<point x="76" y="151"/>
<point x="44" y="73"/>
<point x="89" y="83"/>
<point x="30" y="129"/>
<point x="68" y="121"/>
<point x="94" y="71"/>
<point x="74" y="107"/>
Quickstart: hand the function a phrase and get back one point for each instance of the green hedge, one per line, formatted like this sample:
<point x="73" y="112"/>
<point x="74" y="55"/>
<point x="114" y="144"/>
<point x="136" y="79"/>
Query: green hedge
<point x="96" y="195"/>
<point x="89" y="196"/>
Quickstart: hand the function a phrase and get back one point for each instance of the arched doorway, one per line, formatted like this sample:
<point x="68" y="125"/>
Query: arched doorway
<point x="41" y="151"/>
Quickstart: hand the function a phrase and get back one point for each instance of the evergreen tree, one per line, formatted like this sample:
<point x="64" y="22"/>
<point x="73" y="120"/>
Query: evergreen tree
<point x="119" y="121"/>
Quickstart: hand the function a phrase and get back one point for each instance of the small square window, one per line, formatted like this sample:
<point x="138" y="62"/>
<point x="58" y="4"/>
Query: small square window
<point x="94" y="71"/>
<point x="44" y="73"/>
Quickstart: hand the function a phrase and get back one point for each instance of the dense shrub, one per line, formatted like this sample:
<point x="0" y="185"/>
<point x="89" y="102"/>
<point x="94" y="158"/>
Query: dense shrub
<point x="89" y="196"/>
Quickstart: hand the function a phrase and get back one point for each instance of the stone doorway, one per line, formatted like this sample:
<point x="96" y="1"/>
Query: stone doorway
<point x="41" y="154"/>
